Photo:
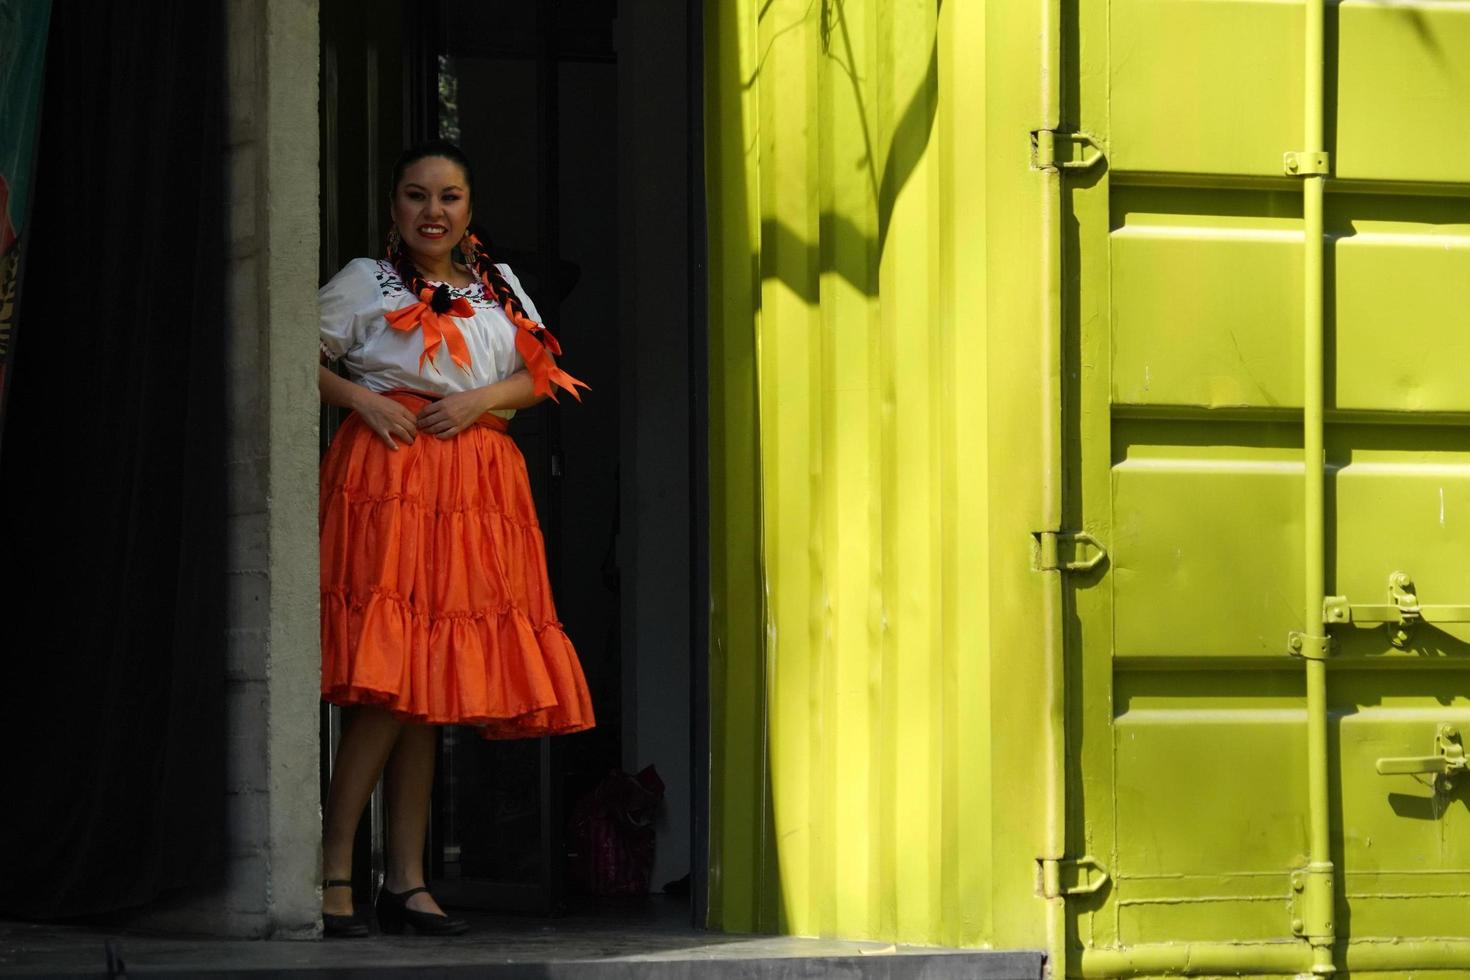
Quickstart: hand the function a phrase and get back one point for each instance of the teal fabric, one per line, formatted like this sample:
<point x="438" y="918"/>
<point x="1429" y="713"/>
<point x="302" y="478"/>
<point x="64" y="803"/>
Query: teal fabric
<point x="23" y="26"/>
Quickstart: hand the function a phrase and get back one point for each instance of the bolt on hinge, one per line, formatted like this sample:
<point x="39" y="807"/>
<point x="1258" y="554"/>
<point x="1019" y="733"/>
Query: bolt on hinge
<point x="1054" y="150"/>
<point x="1299" y="163"/>
<point x="1063" y="877"/>
<point x="1065" y="551"/>
<point x="1336" y="609"/>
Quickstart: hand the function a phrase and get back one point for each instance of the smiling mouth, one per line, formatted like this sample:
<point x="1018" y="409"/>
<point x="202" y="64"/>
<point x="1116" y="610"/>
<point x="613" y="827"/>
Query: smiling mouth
<point x="433" y="231"/>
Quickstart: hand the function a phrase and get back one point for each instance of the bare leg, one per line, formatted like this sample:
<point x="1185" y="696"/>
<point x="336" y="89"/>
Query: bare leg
<point x="367" y="739"/>
<point x="407" y="783"/>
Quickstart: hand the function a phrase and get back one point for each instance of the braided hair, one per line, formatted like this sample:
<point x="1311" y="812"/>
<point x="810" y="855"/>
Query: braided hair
<point x="474" y="254"/>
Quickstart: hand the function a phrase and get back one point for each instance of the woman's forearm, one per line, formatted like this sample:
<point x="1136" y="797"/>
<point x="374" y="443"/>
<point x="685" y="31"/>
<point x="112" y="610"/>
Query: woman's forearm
<point x="337" y="390"/>
<point x="516" y="391"/>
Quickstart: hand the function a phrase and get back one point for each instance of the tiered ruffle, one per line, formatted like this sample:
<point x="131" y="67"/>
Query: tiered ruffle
<point x="435" y="600"/>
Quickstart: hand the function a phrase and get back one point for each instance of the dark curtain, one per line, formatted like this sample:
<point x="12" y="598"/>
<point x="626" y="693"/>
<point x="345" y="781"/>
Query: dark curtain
<point x="112" y="475"/>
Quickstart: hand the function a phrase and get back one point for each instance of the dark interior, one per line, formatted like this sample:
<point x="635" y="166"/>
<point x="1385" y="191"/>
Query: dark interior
<point x="579" y="117"/>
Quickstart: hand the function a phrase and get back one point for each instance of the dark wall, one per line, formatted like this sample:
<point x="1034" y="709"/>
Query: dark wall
<point x="620" y="510"/>
<point x="654" y="261"/>
<point x="112" y="482"/>
<point x="499" y="106"/>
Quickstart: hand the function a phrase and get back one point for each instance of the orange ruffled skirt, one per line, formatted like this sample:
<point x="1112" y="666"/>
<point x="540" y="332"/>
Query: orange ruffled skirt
<point x="435" y="600"/>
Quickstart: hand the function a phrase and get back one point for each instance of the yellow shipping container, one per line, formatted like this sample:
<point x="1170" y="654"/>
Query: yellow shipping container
<point x="1090" y="474"/>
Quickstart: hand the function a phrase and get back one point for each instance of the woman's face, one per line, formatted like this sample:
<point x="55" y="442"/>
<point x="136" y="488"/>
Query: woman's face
<point x="431" y="208"/>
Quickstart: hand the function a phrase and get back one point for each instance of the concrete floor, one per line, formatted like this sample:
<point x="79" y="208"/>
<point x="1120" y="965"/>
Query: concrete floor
<point x="652" y="941"/>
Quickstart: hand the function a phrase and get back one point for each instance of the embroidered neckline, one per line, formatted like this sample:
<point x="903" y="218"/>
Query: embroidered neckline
<point x="392" y="287"/>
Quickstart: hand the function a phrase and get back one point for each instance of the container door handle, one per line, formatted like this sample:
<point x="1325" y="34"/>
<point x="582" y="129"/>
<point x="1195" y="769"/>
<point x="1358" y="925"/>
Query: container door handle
<point x="1401" y="614"/>
<point x="1447" y="762"/>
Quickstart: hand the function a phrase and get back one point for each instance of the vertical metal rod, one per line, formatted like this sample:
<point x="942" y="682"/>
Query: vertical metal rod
<point x="1320" y="932"/>
<point x="1054" y="652"/>
<point x="548" y="142"/>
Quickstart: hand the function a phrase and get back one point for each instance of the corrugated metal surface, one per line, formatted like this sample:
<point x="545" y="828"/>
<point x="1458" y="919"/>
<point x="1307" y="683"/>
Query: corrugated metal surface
<point x="851" y="587"/>
<point x="907" y="311"/>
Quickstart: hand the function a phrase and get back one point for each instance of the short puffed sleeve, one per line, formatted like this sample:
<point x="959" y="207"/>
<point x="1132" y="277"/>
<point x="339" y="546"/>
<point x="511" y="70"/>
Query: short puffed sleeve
<point x="348" y="301"/>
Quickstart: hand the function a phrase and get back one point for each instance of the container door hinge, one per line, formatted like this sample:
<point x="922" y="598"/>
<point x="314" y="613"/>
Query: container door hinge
<point x="1065" y="551"/>
<point x="1054" y="150"/>
<point x="1312" y="892"/>
<point x="1066" y="876"/>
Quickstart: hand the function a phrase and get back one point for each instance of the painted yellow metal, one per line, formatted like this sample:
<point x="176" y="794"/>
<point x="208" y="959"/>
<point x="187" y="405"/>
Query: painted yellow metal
<point x="1049" y="371"/>
<point x="1252" y="439"/>
<point x="936" y="358"/>
<point x="1313" y="916"/>
<point x="851" y="326"/>
<point x="742" y="878"/>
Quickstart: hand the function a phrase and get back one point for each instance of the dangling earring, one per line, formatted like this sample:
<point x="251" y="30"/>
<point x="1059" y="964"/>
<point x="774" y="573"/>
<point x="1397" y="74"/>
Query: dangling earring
<point x="465" y="250"/>
<point x="392" y="240"/>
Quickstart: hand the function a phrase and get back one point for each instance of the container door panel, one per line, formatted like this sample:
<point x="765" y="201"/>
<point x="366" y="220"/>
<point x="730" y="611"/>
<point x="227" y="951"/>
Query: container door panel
<point x="1197" y="85"/>
<point x="1184" y="302"/>
<point x="1402" y="76"/>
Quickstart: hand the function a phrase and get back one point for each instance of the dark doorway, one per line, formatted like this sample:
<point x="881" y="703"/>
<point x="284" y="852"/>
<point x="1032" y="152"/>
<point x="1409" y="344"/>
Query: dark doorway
<point x="581" y="117"/>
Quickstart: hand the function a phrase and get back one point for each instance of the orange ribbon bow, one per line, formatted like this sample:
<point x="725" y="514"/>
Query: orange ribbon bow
<point x="536" y="346"/>
<point x="437" y="327"/>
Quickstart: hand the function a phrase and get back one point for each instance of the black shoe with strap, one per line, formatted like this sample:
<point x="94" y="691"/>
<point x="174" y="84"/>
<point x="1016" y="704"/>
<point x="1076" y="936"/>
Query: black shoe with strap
<point x="394" y="914"/>
<point x="342" y="926"/>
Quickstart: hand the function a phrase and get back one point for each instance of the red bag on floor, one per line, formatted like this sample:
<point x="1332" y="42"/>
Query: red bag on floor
<point x="612" y="831"/>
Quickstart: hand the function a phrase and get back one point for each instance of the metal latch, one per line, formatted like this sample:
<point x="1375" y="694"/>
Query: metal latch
<point x="1054" y="150"/>
<point x="1082" y="876"/>
<point x="1401" y="614"/>
<point x="1063" y="551"/>
<point x="1447" y="762"/>
<point x="1406" y="604"/>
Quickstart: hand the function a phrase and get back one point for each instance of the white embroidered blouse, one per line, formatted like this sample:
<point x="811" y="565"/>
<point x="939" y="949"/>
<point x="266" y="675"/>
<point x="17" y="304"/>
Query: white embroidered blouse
<point x="355" y="330"/>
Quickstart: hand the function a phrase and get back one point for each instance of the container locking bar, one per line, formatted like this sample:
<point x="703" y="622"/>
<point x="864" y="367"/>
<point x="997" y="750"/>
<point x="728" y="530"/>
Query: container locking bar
<point x="1311" y="163"/>
<point x="1064" y="551"/>
<point x="1447" y="762"/>
<point x="1080" y="876"/>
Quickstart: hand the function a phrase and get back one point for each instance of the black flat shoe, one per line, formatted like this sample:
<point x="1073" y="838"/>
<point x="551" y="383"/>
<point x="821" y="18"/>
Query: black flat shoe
<point x="394" y="914"/>
<point x="342" y="926"/>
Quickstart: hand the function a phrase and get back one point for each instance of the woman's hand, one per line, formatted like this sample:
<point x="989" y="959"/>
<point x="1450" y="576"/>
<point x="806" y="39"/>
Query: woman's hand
<point x="383" y="415"/>
<point x="452" y="414"/>
<point x="386" y="417"/>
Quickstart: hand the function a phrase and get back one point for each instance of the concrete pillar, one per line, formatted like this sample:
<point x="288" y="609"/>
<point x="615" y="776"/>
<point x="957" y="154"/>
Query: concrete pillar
<point x="271" y="885"/>
<point x="289" y="246"/>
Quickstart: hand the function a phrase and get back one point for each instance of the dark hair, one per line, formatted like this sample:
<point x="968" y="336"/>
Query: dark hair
<point x="476" y="256"/>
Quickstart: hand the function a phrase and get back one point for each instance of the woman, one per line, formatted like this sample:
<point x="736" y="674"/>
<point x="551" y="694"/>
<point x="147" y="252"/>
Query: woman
<point x="435" y="603"/>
